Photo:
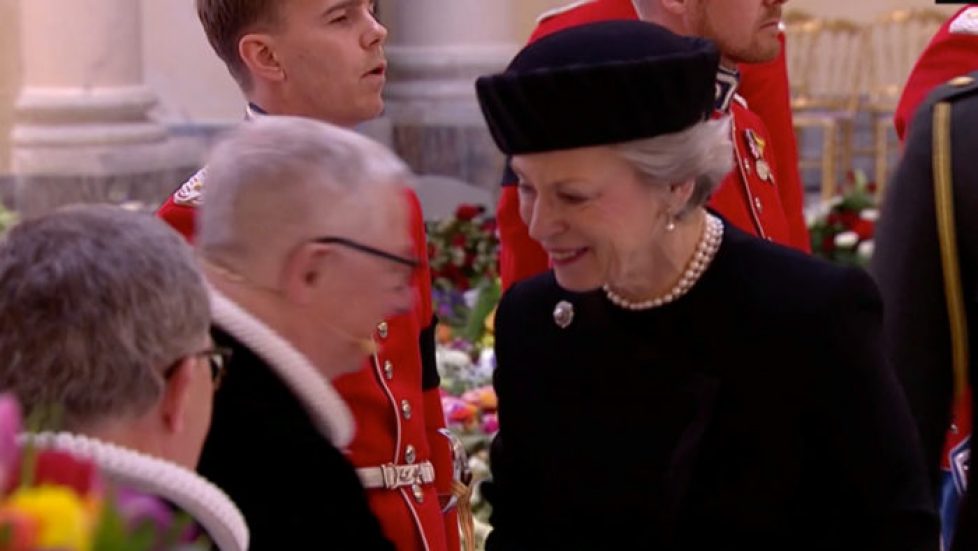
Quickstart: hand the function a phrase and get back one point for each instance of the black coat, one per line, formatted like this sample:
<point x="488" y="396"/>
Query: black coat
<point x="753" y="413"/>
<point x="296" y="490"/>
<point x="907" y="267"/>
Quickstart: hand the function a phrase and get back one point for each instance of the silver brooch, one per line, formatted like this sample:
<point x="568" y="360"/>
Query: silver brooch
<point x="563" y="314"/>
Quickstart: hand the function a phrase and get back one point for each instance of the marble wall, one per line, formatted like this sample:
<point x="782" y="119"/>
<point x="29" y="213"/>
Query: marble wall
<point x="196" y="96"/>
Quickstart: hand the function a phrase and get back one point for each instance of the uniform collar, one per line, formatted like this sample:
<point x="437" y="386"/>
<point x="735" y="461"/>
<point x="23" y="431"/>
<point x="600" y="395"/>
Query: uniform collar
<point x="728" y="81"/>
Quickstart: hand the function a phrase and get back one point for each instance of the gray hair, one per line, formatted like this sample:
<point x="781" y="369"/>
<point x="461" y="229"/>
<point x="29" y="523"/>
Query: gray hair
<point x="95" y="303"/>
<point x="278" y="180"/>
<point x="702" y="153"/>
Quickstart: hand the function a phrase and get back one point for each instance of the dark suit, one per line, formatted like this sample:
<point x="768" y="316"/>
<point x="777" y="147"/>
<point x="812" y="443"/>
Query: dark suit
<point x="296" y="490"/>
<point x="753" y="413"/>
<point x="907" y="267"/>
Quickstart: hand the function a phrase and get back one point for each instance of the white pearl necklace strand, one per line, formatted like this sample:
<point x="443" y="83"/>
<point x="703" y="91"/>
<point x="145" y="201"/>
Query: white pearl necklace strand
<point x="706" y="249"/>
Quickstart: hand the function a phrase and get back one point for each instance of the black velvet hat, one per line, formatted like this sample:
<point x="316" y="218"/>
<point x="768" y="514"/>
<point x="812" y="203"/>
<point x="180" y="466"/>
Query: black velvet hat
<point x="601" y="83"/>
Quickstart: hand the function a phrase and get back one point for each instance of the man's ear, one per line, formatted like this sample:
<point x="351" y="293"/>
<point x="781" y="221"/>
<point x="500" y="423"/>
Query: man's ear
<point x="257" y="50"/>
<point x="305" y="272"/>
<point x="176" y="395"/>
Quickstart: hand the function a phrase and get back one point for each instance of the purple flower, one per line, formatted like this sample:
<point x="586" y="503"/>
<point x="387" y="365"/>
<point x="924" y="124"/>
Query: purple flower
<point x="138" y="508"/>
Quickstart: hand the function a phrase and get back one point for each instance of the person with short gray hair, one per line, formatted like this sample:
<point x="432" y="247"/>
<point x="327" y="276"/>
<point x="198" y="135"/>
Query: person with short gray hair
<point x="305" y="238"/>
<point x="751" y="373"/>
<point x="108" y="338"/>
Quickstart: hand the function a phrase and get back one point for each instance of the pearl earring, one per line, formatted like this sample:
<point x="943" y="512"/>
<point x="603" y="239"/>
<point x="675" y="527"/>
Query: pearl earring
<point x="671" y="224"/>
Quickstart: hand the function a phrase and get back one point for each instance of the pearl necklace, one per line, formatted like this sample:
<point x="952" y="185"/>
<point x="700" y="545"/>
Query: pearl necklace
<point x="706" y="249"/>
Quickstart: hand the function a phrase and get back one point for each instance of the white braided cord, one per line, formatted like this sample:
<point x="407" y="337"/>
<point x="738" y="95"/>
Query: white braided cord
<point x="207" y="504"/>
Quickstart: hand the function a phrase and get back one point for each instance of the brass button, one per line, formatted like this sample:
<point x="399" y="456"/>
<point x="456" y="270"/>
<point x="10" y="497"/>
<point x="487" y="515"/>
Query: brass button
<point x="406" y="409"/>
<point x="388" y="370"/>
<point x="418" y="493"/>
<point x="963" y="80"/>
<point x="758" y="205"/>
<point x="410" y="455"/>
<point x="383" y="329"/>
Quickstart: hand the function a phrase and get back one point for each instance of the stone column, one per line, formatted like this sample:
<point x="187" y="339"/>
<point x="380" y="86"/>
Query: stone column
<point x="437" y="49"/>
<point x="82" y="128"/>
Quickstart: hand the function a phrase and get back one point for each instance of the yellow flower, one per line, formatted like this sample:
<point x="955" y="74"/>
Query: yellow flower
<point x="63" y="516"/>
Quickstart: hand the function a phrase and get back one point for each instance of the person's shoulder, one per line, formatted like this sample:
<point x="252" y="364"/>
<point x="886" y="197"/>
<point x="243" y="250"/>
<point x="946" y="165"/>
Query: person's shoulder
<point x="579" y="13"/>
<point x="965" y="22"/>
<point x="960" y="90"/>
<point x="539" y="289"/>
<point x="191" y="193"/>
<point x="786" y="279"/>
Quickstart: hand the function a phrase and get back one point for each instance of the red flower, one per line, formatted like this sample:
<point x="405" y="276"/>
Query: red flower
<point x="864" y="229"/>
<point x="458" y="240"/>
<point x="468" y="212"/>
<point x="828" y="243"/>
<point x="60" y="469"/>
<point x="849" y="219"/>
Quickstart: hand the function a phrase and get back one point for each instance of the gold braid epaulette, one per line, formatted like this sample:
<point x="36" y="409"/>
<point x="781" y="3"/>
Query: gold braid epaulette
<point x="947" y="235"/>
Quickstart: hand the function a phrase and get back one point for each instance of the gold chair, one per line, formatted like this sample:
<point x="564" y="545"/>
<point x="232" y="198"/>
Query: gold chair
<point x="824" y="74"/>
<point x="894" y="42"/>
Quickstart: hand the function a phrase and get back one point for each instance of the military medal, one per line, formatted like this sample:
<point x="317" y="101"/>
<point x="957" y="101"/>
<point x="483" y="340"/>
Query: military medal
<point x="756" y="144"/>
<point x="763" y="170"/>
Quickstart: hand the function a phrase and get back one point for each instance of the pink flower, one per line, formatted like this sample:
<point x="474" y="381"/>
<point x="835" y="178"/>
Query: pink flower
<point x="490" y="423"/>
<point x="10" y="426"/>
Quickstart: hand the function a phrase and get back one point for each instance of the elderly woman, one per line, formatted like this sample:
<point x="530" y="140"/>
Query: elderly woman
<point x="674" y="383"/>
<point x="113" y="335"/>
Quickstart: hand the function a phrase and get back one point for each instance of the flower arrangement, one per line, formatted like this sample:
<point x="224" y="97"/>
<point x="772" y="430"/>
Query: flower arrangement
<point x="463" y="251"/>
<point x="469" y="403"/>
<point x="53" y="500"/>
<point x="842" y="229"/>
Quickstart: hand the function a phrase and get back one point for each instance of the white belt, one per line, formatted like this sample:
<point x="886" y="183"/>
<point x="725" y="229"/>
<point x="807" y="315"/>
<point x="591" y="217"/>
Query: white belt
<point x="392" y="477"/>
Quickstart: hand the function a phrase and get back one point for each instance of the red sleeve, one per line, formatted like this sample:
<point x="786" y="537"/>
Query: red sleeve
<point x="589" y="12"/>
<point x="947" y="56"/>
<point x="520" y="256"/>
<point x="423" y="276"/>
<point x="765" y="87"/>
<point x="179" y="217"/>
<point x="434" y="416"/>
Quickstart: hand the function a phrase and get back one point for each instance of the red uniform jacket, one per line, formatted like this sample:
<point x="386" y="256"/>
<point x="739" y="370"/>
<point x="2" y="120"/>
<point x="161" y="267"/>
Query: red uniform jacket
<point x="951" y="53"/>
<point x="395" y="401"/>
<point x="779" y="217"/>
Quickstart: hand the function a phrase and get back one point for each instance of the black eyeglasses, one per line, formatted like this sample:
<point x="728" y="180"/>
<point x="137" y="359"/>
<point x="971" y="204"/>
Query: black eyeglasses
<point x="403" y="260"/>
<point x="217" y="358"/>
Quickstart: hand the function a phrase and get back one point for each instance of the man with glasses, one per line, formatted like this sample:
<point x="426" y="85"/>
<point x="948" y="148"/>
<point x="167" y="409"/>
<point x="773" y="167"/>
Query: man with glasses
<point x="305" y="239"/>
<point x="324" y="59"/>
<point x="110" y="339"/>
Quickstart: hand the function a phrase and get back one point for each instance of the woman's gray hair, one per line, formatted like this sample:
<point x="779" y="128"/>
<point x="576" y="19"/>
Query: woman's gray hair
<point x="95" y="303"/>
<point x="702" y="153"/>
<point x="278" y="180"/>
